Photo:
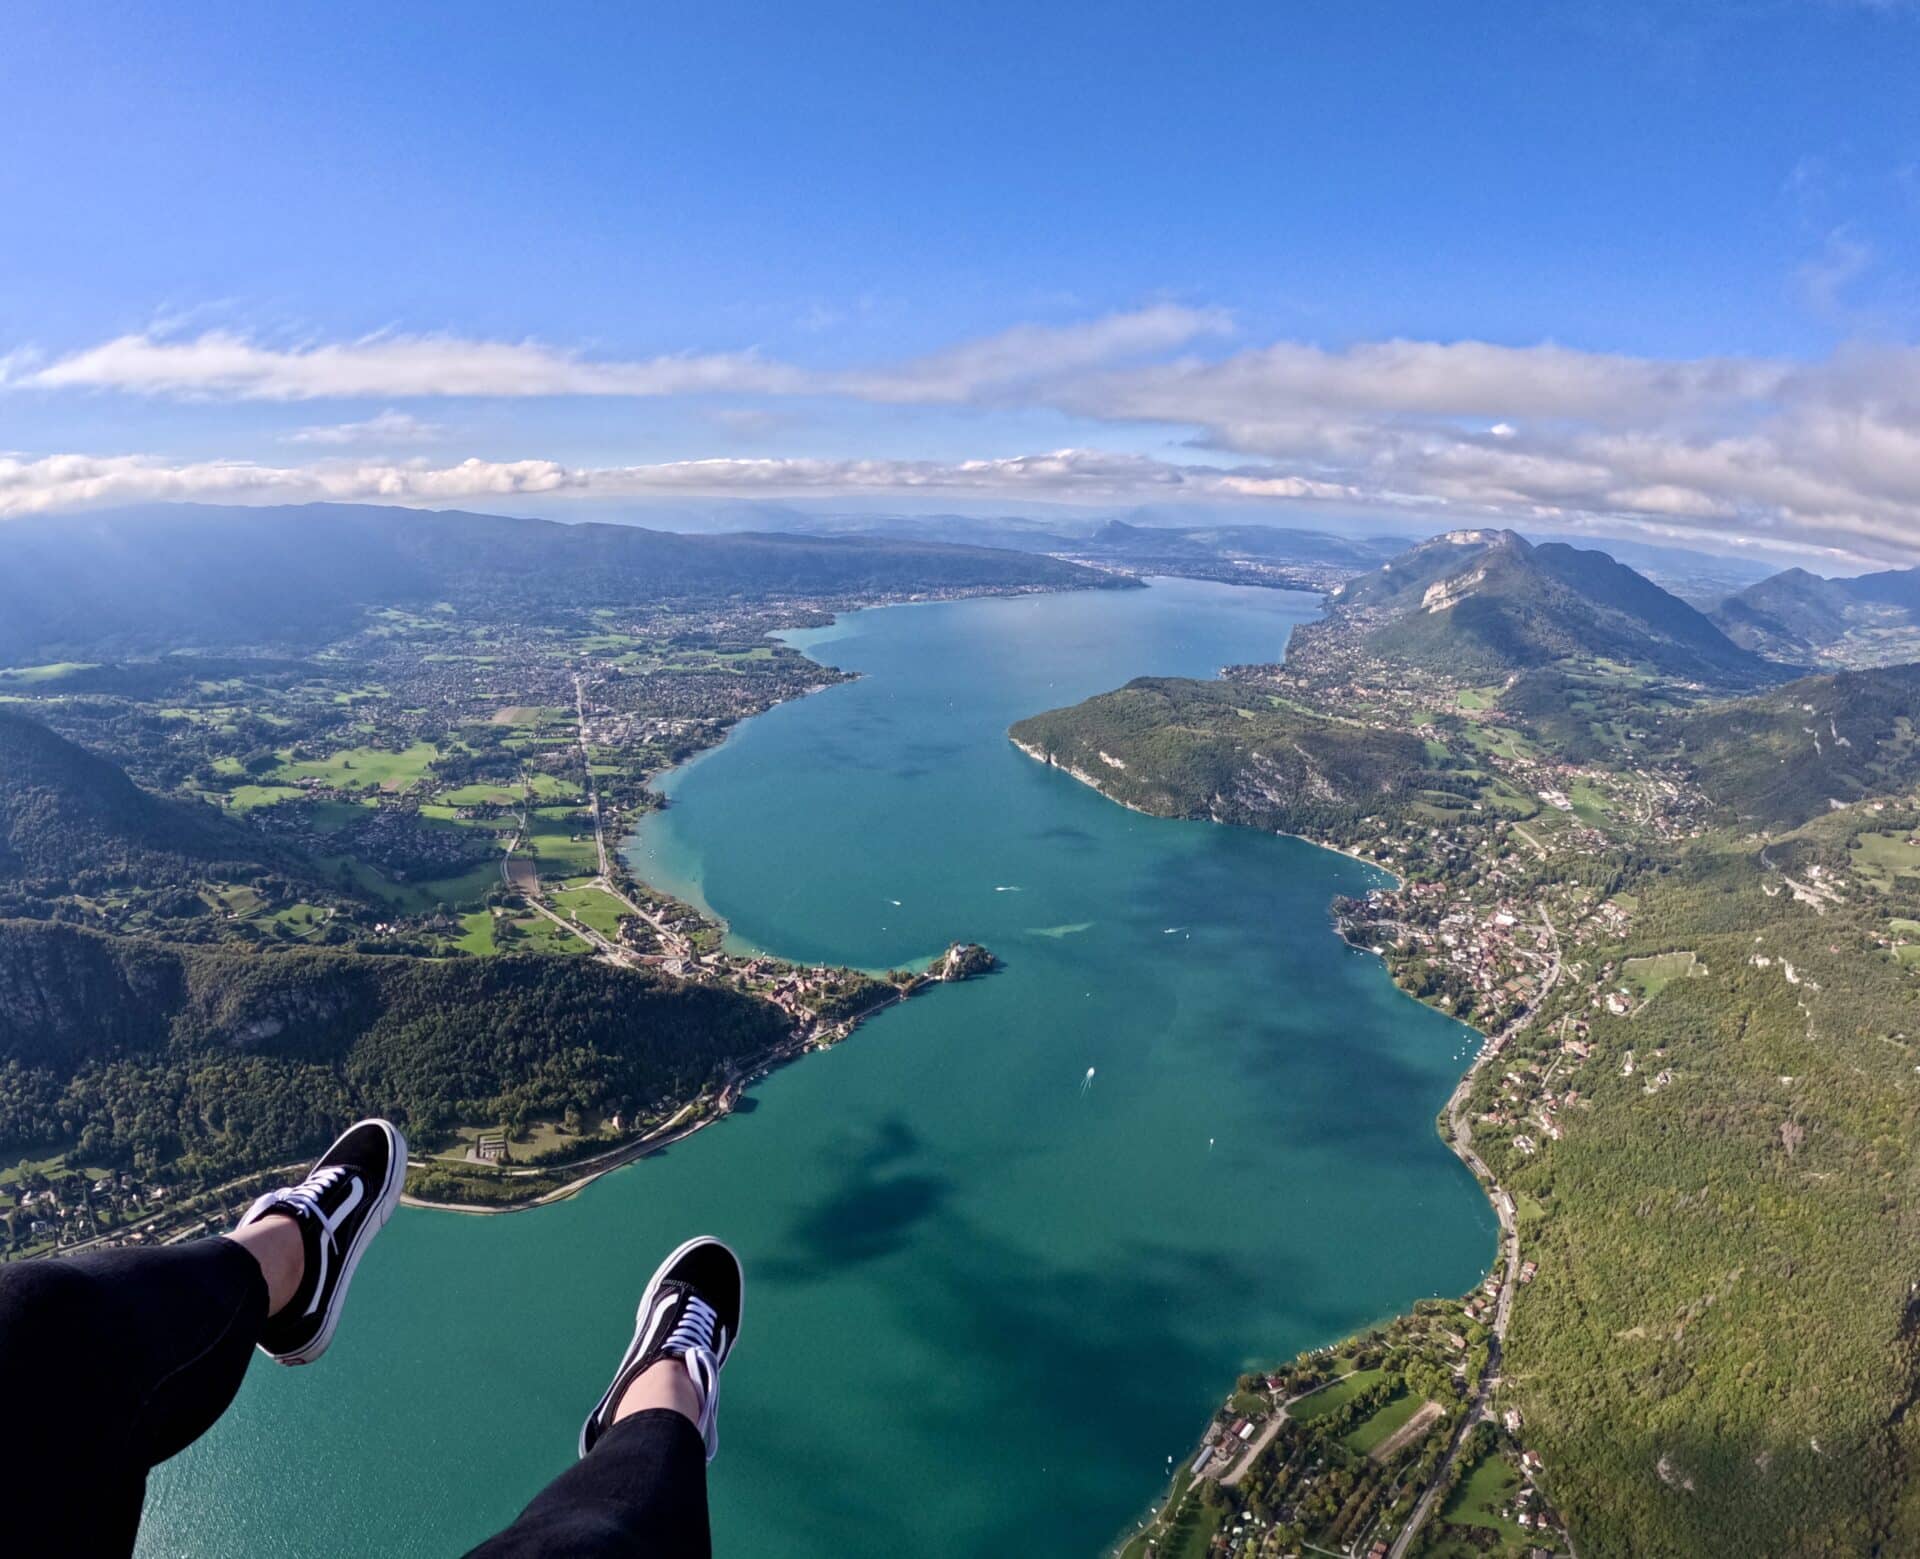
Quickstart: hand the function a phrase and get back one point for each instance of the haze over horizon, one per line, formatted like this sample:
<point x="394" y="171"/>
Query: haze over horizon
<point x="1606" y="272"/>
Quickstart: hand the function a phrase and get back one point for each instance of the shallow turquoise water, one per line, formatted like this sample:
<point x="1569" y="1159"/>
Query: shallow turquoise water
<point x="986" y="1300"/>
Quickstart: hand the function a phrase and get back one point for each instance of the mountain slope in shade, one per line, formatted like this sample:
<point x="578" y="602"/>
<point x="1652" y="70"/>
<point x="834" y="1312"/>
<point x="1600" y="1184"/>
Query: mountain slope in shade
<point x="170" y="576"/>
<point x="1490" y="602"/>
<point x="64" y="811"/>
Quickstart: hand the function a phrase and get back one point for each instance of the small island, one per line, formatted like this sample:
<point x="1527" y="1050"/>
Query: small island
<point x="963" y="961"/>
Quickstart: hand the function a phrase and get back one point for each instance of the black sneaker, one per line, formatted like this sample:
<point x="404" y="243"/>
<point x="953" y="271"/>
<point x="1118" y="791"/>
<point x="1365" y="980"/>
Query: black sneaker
<point x="341" y="1205"/>
<point x="689" y="1311"/>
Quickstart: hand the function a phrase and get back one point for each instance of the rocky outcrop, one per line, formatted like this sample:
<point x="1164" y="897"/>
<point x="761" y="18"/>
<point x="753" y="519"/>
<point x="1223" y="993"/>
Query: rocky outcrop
<point x="963" y="961"/>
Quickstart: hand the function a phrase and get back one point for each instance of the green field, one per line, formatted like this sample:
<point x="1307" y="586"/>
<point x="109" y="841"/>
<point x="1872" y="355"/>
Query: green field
<point x="1906" y="934"/>
<point x="21" y="676"/>
<point x="1648" y="977"/>
<point x="1477" y="1501"/>
<point x="1383" y="1423"/>
<point x="592" y="907"/>
<point x="331" y="816"/>
<point x="1337" y="1395"/>
<point x="509" y="793"/>
<point x="1590" y="805"/>
<point x="478" y="933"/>
<point x="414" y="898"/>
<point x="534" y="934"/>
<point x="561" y="839"/>
<point x="1880" y="859"/>
<point x="244" y="798"/>
<point x="302" y="921"/>
<point x="364" y="768"/>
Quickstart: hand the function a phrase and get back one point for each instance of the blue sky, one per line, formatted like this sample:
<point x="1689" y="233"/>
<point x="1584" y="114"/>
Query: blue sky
<point x="1640" y="266"/>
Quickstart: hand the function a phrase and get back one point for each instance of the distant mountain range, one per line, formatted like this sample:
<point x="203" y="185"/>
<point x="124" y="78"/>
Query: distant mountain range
<point x="1798" y="615"/>
<point x="189" y="575"/>
<point x="1271" y="543"/>
<point x="1489" y="601"/>
<point x="1170" y="533"/>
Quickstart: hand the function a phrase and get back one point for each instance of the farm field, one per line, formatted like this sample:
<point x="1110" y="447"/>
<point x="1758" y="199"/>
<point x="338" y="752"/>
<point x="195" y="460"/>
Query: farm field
<point x="1648" y="977"/>
<point x="1337" y="1395"/>
<point x="363" y="768"/>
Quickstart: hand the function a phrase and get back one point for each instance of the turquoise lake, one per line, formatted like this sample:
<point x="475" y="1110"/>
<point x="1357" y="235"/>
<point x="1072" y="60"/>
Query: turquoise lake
<point x="987" y="1300"/>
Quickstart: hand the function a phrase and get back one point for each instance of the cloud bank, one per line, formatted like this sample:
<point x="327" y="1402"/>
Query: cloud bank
<point x="1770" y="453"/>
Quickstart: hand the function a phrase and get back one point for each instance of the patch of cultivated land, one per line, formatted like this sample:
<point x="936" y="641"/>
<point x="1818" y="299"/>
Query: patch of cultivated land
<point x="1416" y="1426"/>
<point x="592" y="907"/>
<point x="1329" y="1398"/>
<point x="1384" y="1424"/>
<point x="1880" y="859"/>
<point x="1478" y="1501"/>
<point x="363" y="768"/>
<point x="1650" y="976"/>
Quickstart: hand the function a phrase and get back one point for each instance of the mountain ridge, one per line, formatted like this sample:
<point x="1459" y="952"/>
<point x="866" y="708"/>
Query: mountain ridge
<point x="168" y="576"/>
<point x="1492" y="602"/>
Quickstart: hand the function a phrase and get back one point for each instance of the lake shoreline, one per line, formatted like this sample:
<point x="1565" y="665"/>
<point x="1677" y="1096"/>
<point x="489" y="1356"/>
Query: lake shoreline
<point x="1449" y="1124"/>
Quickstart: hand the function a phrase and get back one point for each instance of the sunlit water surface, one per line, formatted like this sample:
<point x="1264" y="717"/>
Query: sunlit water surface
<point x="986" y="1300"/>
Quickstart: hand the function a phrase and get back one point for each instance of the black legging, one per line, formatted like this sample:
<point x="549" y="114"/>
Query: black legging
<point x="112" y="1362"/>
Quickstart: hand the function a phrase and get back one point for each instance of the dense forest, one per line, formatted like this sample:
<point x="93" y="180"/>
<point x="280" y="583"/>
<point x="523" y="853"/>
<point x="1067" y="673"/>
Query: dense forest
<point x="1720" y="1350"/>
<point x="189" y="1062"/>
<point x="1180" y="748"/>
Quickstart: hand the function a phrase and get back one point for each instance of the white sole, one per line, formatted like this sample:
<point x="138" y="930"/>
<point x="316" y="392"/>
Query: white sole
<point x="383" y="1207"/>
<point x="640" y="1320"/>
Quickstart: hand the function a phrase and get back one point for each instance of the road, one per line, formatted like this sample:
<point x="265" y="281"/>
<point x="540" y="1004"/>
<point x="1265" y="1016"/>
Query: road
<point x="1261" y="1441"/>
<point x="586" y="768"/>
<point x="1461" y="1141"/>
<point x="672" y="940"/>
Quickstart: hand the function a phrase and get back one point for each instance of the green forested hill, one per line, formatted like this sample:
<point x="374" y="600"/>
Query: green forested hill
<point x="69" y="816"/>
<point x="1793" y="753"/>
<point x="1180" y="748"/>
<point x="1795" y="614"/>
<point x="201" y="1061"/>
<point x="1485" y="603"/>
<point x="1720" y="1349"/>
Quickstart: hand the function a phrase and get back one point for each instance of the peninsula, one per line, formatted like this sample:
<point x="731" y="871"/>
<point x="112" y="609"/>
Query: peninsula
<point x="1673" y="885"/>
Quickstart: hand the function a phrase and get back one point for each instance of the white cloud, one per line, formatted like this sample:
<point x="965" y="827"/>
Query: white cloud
<point x="219" y="364"/>
<point x="1031" y="356"/>
<point x="222" y="365"/>
<point x="388" y="428"/>
<point x="1826" y="279"/>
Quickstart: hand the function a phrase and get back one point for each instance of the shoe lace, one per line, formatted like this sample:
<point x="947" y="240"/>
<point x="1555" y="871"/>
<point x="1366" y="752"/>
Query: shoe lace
<point x="695" y="1329"/>
<point x="692" y="1338"/>
<point x="305" y="1199"/>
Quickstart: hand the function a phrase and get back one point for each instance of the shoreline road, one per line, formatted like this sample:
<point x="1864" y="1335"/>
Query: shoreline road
<point x="1460" y="1139"/>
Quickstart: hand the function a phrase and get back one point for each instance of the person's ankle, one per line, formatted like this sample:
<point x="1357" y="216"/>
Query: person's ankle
<point x="662" y="1384"/>
<point x="279" y="1247"/>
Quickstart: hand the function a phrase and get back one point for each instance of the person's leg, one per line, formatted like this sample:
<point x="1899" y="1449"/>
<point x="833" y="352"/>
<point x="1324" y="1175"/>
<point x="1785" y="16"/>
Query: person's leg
<point x="641" y="1491"/>
<point x="640" y="1485"/>
<point x="113" y="1361"/>
<point x="109" y="1364"/>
